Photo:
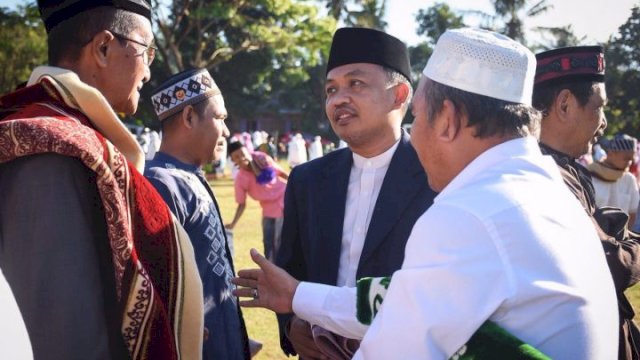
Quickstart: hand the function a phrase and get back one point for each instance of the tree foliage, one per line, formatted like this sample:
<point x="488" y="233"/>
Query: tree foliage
<point x="435" y="20"/>
<point x="258" y="51"/>
<point x="560" y="37"/>
<point x="359" y="13"/>
<point x="371" y="15"/>
<point x="432" y="22"/>
<point x="623" y="77"/>
<point x="513" y="12"/>
<point x="23" y="45"/>
<point x="199" y="33"/>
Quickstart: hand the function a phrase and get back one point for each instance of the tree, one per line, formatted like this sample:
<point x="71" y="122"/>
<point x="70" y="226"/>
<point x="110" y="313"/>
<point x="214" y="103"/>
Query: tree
<point x="561" y="37"/>
<point x="509" y="15"/>
<point x="199" y="33"/>
<point x="437" y="19"/>
<point x="432" y="22"/>
<point x="370" y="16"/>
<point x="23" y="45"/>
<point x="510" y="11"/>
<point x="368" y="13"/>
<point x="623" y="77"/>
<point x="257" y="51"/>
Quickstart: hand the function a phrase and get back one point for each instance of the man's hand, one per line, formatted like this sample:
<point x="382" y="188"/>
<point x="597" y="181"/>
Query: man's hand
<point x="299" y="335"/>
<point x="269" y="286"/>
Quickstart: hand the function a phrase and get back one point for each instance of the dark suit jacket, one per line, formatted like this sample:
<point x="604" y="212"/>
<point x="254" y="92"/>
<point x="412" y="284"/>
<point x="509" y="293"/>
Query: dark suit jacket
<point x="314" y="211"/>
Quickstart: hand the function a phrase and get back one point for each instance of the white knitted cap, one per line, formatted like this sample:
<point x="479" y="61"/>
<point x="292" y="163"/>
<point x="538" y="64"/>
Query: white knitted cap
<point x="485" y="63"/>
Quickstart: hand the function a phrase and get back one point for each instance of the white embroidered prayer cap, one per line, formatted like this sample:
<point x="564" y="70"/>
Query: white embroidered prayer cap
<point x="485" y="63"/>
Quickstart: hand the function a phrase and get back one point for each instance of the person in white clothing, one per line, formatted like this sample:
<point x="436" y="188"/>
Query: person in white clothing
<point x="614" y="184"/>
<point x="154" y="144"/>
<point x="490" y="247"/>
<point x="315" y="148"/>
<point x="297" y="151"/>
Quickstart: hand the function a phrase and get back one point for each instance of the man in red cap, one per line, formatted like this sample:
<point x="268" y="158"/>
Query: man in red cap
<point x="569" y="90"/>
<point x="97" y="264"/>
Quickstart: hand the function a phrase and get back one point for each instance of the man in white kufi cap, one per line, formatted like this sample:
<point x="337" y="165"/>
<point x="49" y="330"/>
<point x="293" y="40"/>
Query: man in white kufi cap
<point x="491" y="247"/>
<point x="490" y="250"/>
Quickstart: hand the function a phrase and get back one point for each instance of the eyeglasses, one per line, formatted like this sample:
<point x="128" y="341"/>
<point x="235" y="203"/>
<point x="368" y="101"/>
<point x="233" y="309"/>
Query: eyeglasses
<point x="149" y="52"/>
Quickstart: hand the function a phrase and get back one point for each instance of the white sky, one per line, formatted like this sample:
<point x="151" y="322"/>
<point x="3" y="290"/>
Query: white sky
<point x="590" y="18"/>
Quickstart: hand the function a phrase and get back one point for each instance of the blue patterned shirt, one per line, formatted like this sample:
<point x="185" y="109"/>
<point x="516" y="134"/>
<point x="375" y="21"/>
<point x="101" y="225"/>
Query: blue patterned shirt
<point x="186" y="192"/>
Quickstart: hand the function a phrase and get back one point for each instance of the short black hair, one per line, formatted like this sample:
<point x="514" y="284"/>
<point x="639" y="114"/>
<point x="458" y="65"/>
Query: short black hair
<point x="233" y="146"/>
<point x="489" y="116"/>
<point x="199" y="108"/>
<point x="66" y="40"/>
<point x="545" y="95"/>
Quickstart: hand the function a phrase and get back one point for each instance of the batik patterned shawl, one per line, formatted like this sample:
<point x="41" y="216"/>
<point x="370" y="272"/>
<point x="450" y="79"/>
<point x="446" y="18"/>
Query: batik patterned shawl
<point x="157" y="284"/>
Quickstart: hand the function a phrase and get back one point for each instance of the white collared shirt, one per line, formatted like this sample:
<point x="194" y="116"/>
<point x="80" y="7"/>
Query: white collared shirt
<point x="334" y="307"/>
<point x="365" y="181"/>
<point x="504" y="241"/>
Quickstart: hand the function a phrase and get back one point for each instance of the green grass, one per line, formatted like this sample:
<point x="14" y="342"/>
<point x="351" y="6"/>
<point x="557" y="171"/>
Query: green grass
<point x="261" y="324"/>
<point x="247" y="234"/>
<point x="633" y="294"/>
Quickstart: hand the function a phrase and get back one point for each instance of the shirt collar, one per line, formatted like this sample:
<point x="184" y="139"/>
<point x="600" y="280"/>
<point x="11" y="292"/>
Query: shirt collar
<point x="377" y="161"/>
<point x="168" y="159"/>
<point x="519" y="147"/>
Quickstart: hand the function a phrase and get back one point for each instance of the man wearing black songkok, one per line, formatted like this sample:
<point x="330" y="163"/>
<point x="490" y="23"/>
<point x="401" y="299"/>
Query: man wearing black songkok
<point x="569" y="90"/>
<point x="349" y="214"/>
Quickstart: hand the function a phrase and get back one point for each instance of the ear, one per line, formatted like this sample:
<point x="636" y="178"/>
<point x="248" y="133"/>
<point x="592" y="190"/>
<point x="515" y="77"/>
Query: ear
<point x="188" y="117"/>
<point x="100" y="48"/>
<point x="401" y="92"/>
<point x="448" y="125"/>
<point x="563" y="104"/>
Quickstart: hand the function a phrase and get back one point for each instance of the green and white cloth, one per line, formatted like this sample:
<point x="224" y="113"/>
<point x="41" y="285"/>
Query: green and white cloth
<point x="490" y="341"/>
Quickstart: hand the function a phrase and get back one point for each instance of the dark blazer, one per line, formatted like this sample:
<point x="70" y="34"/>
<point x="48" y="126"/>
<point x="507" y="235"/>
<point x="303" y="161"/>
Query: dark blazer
<point x="314" y="210"/>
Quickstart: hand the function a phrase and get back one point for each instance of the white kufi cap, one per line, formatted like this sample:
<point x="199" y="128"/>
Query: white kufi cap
<point x="485" y="63"/>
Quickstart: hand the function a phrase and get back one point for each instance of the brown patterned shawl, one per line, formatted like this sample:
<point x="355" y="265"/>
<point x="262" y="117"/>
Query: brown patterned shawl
<point x="157" y="284"/>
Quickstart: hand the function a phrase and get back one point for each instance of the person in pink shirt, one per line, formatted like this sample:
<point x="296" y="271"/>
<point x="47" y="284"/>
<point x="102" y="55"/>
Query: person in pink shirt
<point x="261" y="178"/>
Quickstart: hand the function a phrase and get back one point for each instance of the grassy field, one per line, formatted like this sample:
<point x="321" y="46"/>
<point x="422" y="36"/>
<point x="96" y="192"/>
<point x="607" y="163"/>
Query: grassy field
<point x="261" y="324"/>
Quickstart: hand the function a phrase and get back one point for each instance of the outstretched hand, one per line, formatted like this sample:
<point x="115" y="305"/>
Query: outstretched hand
<point x="268" y="287"/>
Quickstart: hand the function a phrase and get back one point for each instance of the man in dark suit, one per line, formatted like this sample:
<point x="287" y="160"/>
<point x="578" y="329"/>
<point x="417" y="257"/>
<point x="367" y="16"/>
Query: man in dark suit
<point x="348" y="214"/>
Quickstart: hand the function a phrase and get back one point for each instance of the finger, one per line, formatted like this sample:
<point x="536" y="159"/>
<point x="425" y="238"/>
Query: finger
<point x="244" y="292"/>
<point x="251" y="303"/>
<point x="260" y="260"/>
<point x="249" y="273"/>
<point x="244" y="282"/>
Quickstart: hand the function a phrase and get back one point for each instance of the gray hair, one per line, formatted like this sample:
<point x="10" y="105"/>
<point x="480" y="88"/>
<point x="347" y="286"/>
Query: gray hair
<point x="66" y="40"/>
<point x="489" y="116"/>
<point x="395" y="78"/>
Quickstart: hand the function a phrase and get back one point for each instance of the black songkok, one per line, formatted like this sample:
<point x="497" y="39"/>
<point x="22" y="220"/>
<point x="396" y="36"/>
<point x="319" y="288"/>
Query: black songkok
<point x="360" y="45"/>
<point x="53" y="12"/>
<point x="186" y="88"/>
<point x="569" y="64"/>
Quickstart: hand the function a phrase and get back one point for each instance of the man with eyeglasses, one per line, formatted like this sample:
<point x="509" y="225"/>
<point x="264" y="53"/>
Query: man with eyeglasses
<point x="99" y="267"/>
<point x="148" y="52"/>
